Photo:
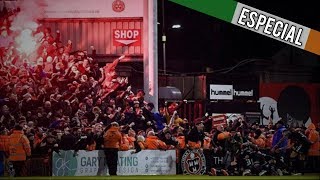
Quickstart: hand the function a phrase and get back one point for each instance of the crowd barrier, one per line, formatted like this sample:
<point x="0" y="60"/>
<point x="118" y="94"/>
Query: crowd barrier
<point x="145" y="162"/>
<point x="38" y="167"/>
<point x="92" y="163"/>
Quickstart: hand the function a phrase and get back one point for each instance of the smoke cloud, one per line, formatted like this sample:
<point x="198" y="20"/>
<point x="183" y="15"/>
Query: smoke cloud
<point x="25" y="26"/>
<point x="30" y="11"/>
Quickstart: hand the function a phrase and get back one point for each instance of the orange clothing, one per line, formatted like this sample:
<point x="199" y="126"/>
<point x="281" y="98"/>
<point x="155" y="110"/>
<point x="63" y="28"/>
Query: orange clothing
<point x="124" y="146"/>
<point x="131" y="142"/>
<point x="154" y="143"/>
<point x="181" y="145"/>
<point x="223" y="136"/>
<point x="19" y="146"/>
<point x="142" y="145"/>
<point x="194" y="145"/>
<point x="181" y="142"/>
<point x="4" y="143"/>
<point x="260" y="142"/>
<point x="112" y="138"/>
<point x="37" y="140"/>
<point x="207" y="143"/>
<point x="313" y="136"/>
<point x="269" y="140"/>
<point x="141" y="142"/>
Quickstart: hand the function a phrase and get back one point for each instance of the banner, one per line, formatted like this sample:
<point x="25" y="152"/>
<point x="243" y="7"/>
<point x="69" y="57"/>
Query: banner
<point x="126" y="37"/>
<point x="148" y="162"/>
<point x="193" y="162"/>
<point x="244" y="86"/>
<point x="92" y="163"/>
<point x="295" y="103"/>
<point x="223" y="118"/>
<point x="93" y="8"/>
<point x="221" y="92"/>
<point x="219" y="120"/>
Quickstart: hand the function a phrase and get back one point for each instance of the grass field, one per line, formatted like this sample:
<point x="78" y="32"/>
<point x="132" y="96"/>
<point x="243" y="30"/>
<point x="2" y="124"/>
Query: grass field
<point x="304" y="177"/>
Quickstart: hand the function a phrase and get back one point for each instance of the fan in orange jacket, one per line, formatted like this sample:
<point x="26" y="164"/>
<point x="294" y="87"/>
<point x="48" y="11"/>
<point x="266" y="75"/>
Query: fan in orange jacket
<point x="124" y="145"/>
<point x="4" y="141"/>
<point x="258" y="139"/>
<point x="181" y="141"/>
<point x="131" y="138"/>
<point x="180" y="137"/>
<point x="269" y="136"/>
<point x="207" y="141"/>
<point x="313" y="136"/>
<point x="112" y="137"/>
<point x="19" y="145"/>
<point x="196" y="135"/>
<point x="181" y="144"/>
<point x="141" y="142"/>
<point x="19" y="149"/>
<point x="38" y="139"/>
<point x="153" y="142"/>
<point x="112" y="141"/>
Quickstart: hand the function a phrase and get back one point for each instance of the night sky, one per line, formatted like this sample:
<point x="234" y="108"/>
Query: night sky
<point x="205" y="41"/>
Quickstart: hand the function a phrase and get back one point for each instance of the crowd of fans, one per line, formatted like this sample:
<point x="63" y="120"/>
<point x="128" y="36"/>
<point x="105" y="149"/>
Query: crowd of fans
<point x="63" y="100"/>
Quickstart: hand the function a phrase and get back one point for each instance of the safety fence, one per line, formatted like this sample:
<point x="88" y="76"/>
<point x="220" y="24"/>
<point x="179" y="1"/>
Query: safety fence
<point x="35" y="166"/>
<point x="38" y="167"/>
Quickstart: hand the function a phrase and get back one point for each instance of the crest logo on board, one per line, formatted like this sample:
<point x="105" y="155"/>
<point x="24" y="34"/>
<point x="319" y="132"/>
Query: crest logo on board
<point x="193" y="162"/>
<point x="118" y="6"/>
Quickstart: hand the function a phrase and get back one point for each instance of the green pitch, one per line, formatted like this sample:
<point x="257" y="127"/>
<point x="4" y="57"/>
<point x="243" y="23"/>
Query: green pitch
<point x="305" y="177"/>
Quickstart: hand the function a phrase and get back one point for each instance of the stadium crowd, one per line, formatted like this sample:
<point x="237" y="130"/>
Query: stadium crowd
<point x="63" y="100"/>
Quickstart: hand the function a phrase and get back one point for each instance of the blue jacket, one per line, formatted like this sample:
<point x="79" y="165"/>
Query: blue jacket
<point x="277" y="136"/>
<point x="160" y="119"/>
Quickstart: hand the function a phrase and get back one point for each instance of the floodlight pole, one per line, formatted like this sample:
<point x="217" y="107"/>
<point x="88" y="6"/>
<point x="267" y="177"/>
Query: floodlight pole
<point x="164" y="39"/>
<point x="150" y="51"/>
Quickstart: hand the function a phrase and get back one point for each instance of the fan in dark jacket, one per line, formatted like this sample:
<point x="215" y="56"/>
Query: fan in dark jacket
<point x="68" y="140"/>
